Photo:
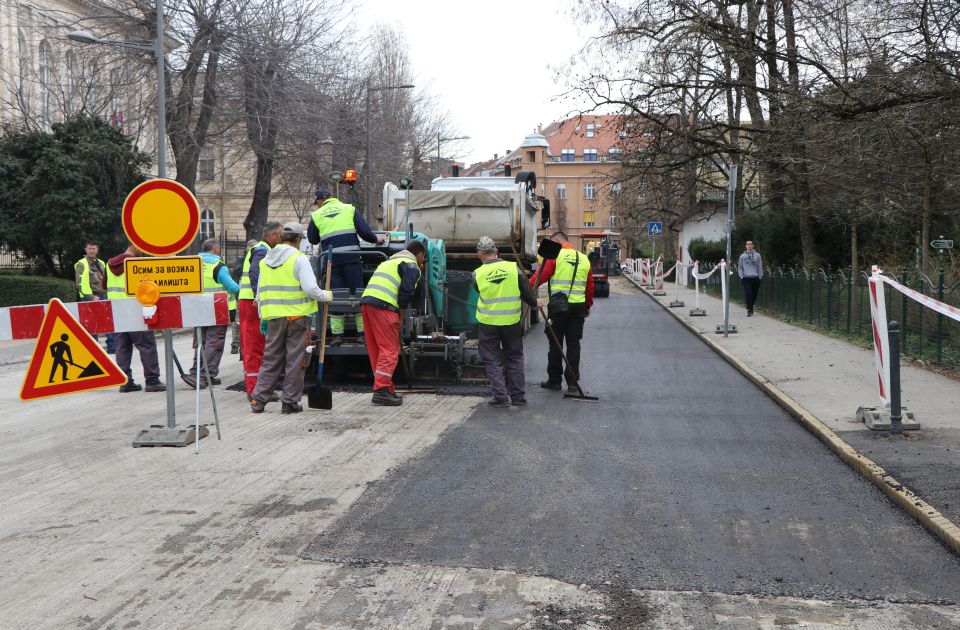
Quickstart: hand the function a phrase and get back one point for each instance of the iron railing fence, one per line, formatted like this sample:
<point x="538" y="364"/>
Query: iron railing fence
<point x="837" y="301"/>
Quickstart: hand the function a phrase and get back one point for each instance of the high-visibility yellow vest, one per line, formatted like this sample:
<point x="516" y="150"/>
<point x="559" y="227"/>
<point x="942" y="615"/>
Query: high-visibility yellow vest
<point x="385" y="282"/>
<point x="116" y="285"/>
<point x="564" y="280"/>
<point x="212" y="285"/>
<point x="85" y="288"/>
<point x="246" y="291"/>
<point x="334" y="218"/>
<point x="499" y="303"/>
<point x="280" y="292"/>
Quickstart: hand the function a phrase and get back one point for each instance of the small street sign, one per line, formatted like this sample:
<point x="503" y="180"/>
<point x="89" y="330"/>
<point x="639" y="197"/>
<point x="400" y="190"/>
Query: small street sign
<point x="942" y="243"/>
<point x="655" y="228"/>
<point x="161" y="217"/>
<point x="173" y="275"/>
<point x="67" y="359"/>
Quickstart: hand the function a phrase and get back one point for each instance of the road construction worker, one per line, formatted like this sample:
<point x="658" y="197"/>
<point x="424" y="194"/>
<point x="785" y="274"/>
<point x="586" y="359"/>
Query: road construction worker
<point x="287" y="295"/>
<point x="216" y="279"/>
<point x="336" y="224"/>
<point x="569" y="279"/>
<point x="499" y="310"/>
<point x="236" y="272"/>
<point x="383" y="307"/>
<point x="90" y="275"/>
<point x="251" y="339"/>
<point x="144" y="340"/>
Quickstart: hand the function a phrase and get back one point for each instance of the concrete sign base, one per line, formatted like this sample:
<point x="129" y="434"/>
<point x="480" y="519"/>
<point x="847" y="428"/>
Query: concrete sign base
<point x="158" y="435"/>
<point x="878" y="419"/>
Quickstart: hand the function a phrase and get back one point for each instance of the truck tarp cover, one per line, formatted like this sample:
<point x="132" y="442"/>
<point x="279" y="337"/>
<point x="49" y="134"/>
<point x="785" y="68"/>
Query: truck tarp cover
<point x="470" y="198"/>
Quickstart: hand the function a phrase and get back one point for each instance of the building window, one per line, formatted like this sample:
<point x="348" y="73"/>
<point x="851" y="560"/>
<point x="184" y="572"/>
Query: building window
<point x="207" y="224"/>
<point x="591" y="130"/>
<point x="205" y="165"/>
<point x="589" y="190"/>
<point x="615" y="189"/>
<point x="566" y="155"/>
<point x="614" y="220"/>
<point x="92" y="97"/>
<point x="46" y="92"/>
<point x="589" y="218"/>
<point x="590" y="155"/>
<point x="531" y="156"/>
<point x="24" y="71"/>
<point x="561" y="191"/>
<point x="614" y="153"/>
<point x="70" y="89"/>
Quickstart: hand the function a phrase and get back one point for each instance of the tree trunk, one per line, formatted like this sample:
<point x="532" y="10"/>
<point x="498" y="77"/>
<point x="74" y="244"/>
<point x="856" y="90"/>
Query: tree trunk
<point x="925" y="216"/>
<point x="257" y="215"/>
<point x="854" y="254"/>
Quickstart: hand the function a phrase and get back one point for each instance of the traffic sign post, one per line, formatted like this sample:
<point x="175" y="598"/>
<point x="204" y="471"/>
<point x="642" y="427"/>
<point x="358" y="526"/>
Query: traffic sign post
<point x="162" y="217"/>
<point x="942" y="243"/>
<point x="654" y="229"/>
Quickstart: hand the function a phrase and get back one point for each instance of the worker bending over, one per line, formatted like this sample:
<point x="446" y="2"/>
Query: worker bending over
<point x="336" y="224"/>
<point x="383" y="307"/>
<point x="570" y="285"/>
<point x="287" y="296"/>
<point x="499" y="311"/>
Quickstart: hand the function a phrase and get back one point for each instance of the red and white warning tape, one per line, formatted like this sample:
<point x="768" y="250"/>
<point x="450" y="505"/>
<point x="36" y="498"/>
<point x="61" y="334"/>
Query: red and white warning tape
<point x="944" y="309"/>
<point x="702" y="276"/>
<point x="106" y="316"/>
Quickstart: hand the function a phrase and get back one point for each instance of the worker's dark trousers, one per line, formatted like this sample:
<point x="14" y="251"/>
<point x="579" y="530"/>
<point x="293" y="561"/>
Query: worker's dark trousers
<point x="501" y="350"/>
<point x="146" y="343"/>
<point x="751" y="286"/>
<point x="283" y="351"/>
<point x="214" y="339"/>
<point x="569" y="330"/>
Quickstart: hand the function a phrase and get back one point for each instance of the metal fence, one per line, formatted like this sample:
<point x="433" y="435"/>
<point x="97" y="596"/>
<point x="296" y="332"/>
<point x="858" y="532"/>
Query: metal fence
<point x="12" y="260"/>
<point x="838" y="302"/>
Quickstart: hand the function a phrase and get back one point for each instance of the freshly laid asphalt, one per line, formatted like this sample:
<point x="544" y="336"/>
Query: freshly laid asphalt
<point x="684" y="476"/>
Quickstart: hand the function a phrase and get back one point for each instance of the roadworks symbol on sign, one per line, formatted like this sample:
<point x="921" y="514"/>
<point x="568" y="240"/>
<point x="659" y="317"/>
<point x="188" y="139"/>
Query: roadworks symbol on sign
<point x="67" y="359"/>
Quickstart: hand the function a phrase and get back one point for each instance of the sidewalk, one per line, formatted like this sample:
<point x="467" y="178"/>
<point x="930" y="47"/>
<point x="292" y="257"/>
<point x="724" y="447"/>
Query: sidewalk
<point x="831" y="378"/>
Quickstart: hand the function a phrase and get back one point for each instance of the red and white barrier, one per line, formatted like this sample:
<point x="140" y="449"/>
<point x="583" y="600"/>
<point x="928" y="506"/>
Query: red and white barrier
<point x="660" y="275"/>
<point x="878" y="320"/>
<point x="645" y="272"/>
<point x="933" y="304"/>
<point x="106" y="316"/>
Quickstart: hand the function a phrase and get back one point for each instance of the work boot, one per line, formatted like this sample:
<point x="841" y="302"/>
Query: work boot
<point x="498" y="402"/>
<point x="291" y="408"/>
<point x="130" y="386"/>
<point x="573" y="389"/>
<point x="551" y="385"/>
<point x="396" y="396"/>
<point x="215" y="381"/>
<point x="518" y="400"/>
<point x="155" y="387"/>
<point x="336" y="340"/>
<point x="235" y="349"/>
<point x="383" y="397"/>
<point x="256" y="406"/>
<point x="191" y="380"/>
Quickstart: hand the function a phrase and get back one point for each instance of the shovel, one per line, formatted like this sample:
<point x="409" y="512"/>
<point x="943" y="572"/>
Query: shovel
<point x="549" y="250"/>
<point x="320" y="397"/>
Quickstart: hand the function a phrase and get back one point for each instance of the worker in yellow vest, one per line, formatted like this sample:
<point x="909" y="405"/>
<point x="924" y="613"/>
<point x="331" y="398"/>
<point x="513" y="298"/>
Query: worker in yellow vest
<point x="287" y="296"/>
<point x="251" y="339"/>
<point x="383" y="306"/>
<point x="91" y="278"/>
<point x="570" y="284"/>
<point x="499" y="311"/>
<point x="216" y="279"/>
<point x="336" y="224"/>
<point x="144" y="340"/>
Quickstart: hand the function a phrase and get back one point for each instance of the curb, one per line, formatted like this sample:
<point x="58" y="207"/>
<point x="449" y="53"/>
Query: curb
<point x="923" y="512"/>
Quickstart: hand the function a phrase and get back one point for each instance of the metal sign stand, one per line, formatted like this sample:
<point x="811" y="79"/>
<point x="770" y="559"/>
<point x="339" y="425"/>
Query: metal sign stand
<point x="726" y="327"/>
<point x="677" y="272"/>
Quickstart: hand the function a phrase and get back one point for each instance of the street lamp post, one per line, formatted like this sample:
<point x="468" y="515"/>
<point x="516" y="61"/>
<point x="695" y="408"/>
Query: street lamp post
<point x="157" y="49"/>
<point x="439" y="140"/>
<point x="369" y="159"/>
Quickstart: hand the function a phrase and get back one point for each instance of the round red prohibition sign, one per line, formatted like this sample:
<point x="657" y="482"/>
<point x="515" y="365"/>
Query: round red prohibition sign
<point x="161" y="217"/>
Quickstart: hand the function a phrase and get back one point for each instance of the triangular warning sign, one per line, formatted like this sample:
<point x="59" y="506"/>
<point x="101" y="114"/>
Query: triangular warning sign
<point x="67" y="359"/>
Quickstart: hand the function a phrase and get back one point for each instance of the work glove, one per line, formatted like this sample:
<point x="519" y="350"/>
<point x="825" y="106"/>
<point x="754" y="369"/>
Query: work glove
<point x="325" y="296"/>
<point x="263" y="327"/>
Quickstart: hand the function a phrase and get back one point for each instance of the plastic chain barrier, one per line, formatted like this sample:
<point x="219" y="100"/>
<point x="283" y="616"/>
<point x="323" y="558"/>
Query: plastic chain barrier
<point x="944" y="309"/>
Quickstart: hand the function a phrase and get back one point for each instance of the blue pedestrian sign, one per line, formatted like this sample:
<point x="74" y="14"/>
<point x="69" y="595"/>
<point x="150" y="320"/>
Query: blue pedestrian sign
<point x="655" y="228"/>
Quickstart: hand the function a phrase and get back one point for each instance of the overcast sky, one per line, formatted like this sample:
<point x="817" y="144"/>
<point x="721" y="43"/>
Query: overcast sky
<point x="468" y="55"/>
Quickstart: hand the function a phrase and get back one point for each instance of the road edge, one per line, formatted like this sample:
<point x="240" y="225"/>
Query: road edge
<point x="927" y="515"/>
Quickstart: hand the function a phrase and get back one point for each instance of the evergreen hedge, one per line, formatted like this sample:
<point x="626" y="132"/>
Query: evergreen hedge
<point x="17" y="290"/>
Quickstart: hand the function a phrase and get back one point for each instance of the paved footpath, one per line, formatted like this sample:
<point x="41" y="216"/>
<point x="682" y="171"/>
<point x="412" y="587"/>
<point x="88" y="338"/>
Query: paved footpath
<point x="685" y="498"/>
<point x="831" y="378"/>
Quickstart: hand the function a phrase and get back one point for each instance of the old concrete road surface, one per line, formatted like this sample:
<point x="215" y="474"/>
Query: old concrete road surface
<point x="684" y="477"/>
